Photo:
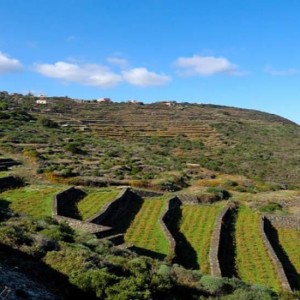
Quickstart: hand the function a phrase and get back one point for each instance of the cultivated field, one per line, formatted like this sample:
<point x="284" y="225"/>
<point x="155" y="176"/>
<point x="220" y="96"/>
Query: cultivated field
<point x="145" y="230"/>
<point x="197" y="225"/>
<point x="34" y="200"/>
<point x="253" y="262"/>
<point x="95" y="200"/>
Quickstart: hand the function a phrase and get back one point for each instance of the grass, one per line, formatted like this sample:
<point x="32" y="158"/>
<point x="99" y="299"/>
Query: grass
<point x="197" y="225"/>
<point x="4" y="174"/>
<point x="290" y="241"/>
<point x="34" y="200"/>
<point x="145" y="231"/>
<point x="253" y="262"/>
<point x="95" y="200"/>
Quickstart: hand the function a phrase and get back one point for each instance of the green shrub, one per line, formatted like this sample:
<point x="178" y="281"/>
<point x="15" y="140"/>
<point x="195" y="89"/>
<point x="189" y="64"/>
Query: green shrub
<point x="271" y="207"/>
<point x="212" y="284"/>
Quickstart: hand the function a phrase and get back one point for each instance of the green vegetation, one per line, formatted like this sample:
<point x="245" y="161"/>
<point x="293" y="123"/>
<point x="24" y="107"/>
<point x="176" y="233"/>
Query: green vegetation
<point x="95" y="199"/>
<point x="290" y="241"/>
<point x="4" y="174"/>
<point x="209" y="153"/>
<point x="253" y="262"/>
<point x="34" y="200"/>
<point x="147" y="143"/>
<point x="145" y="230"/>
<point x="197" y="225"/>
<point x="99" y="271"/>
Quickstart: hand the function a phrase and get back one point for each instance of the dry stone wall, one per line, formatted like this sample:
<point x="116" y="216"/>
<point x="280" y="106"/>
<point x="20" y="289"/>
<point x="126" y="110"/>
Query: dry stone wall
<point x="114" y="209"/>
<point x="60" y="205"/>
<point x="284" y="221"/>
<point x="164" y="222"/>
<point x="65" y="201"/>
<point x="278" y="265"/>
<point x="214" y="262"/>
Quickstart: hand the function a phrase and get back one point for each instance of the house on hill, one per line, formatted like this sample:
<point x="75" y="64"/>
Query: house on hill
<point x="104" y="100"/>
<point x="135" y="102"/>
<point x="41" y="99"/>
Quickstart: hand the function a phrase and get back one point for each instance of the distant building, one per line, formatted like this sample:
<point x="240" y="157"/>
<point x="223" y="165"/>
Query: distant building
<point x="135" y="102"/>
<point x="41" y="101"/>
<point x="104" y="100"/>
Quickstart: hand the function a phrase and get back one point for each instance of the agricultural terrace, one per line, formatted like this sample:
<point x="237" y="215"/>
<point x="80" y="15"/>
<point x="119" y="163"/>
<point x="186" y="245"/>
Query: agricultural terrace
<point x="290" y="241"/>
<point x="145" y="231"/>
<point x="34" y="200"/>
<point x="197" y="225"/>
<point x="4" y="174"/>
<point x="94" y="201"/>
<point x="253" y="262"/>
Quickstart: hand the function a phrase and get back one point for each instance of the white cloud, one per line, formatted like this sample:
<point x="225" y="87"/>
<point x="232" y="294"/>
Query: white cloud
<point x="8" y="64"/>
<point x="118" y="61"/>
<point x="142" y="77"/>
<point x="205" y="66"/>
<point x="286" y="72"/>
<point x="86" y="74"/>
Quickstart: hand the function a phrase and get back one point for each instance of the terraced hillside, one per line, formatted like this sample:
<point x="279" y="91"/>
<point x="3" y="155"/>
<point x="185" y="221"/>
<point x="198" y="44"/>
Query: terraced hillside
<point x="197" y="225"/>
<point x="253" y="261"/>
<point x="94" y="201"/>
<point x="34" y="200"/>
<point x="123" y="141"/>
<point x="146" y="232"/>
<point x="211" y="152"/>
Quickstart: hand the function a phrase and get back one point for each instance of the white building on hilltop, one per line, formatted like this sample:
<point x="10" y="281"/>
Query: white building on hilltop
<point x="104" y="100"/>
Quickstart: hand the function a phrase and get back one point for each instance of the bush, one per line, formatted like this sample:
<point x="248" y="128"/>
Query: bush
<point x="271" y="207"/>
<point x="219" y="192"/>
<point x="212" y="284"/>
<point x="94" y="281"/>
<point x="45" y="122"/>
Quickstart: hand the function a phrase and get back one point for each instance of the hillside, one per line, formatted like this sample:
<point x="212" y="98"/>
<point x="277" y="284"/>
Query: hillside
<point x="159" y="144"/>
<point x="155" y="201"/>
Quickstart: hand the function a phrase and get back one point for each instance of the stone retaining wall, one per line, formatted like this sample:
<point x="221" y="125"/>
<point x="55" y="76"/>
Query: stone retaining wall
<point x="278" y="265"/>
<point x="10" y="182"/>
<point x="114" y="209"/>
<point x="145" y="193"/>
<point x="165" y="221"/>
<point x="63" y="201"/>
<point x="186" y="198"/>
<point x="214" y="262"/>
<point x="284" y="221"/>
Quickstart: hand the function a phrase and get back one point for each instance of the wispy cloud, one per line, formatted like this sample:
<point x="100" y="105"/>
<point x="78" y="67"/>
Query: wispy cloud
<point x="285" y="72"/>
<point x="8" y="64"/>
<point x="86" y="74"/>
<point x="143" y="78"/>
<point x="205" y="66"/>
<point x="118" y="61"/>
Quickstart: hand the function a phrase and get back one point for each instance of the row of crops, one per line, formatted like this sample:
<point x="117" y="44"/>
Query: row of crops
<point x="196" y="224"/>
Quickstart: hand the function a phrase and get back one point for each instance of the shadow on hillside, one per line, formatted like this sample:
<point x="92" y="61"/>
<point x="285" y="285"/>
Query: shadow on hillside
<point x="292" y="275"/>
<point x="146" y="252"/>
<point x="39" y="272"/>
<point x="68" y="207"/>
<point x="185" y="253"/>
<point x="227" y="248"/>
<point x="5" y="211"/>
<point x="121" y="218"/>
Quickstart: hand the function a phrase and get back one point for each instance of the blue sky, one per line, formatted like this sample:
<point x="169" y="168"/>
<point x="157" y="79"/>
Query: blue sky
<point x="235" y="52"/>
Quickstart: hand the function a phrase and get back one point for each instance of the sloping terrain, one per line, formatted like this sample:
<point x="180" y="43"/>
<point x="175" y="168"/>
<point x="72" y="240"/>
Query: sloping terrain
<point x="180" y="159"/>
<point x="122" y="141"/>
